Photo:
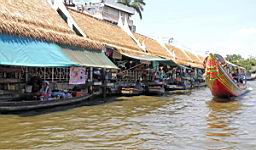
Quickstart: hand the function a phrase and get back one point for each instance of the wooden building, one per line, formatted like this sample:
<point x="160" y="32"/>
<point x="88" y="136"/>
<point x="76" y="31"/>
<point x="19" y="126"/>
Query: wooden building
<point x="46" y="47"/>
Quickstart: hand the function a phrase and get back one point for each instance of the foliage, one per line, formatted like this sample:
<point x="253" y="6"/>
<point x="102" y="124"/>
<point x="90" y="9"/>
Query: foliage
<point x="136" y="4"/>
<point x="247" y="63"/>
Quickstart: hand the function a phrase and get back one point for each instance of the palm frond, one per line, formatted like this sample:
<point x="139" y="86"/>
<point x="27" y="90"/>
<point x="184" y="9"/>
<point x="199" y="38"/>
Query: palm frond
<point x="140" y="1"/>
<point x="137" y="9"/>
<point x="124" y="2"/>
<point x="136" y="4"/>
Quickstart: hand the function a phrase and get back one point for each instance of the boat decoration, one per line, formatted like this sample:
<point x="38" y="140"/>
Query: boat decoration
<point x="223" y="78"/>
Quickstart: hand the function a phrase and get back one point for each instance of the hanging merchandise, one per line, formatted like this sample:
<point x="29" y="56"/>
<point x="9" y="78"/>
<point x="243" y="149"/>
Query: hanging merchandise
<point x="77" y="75"/>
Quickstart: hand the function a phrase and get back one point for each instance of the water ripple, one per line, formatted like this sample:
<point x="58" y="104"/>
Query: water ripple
<point x="192" y="121"/>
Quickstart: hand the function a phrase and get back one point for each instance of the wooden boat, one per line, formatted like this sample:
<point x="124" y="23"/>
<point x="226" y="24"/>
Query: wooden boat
<point x="219" y="81"/>
<point x="155" y="88"/>
<point x="132" y="90"/>
<point x="174" y="87"/>
<point x="28" y="105"/>
<point x="185" y="84"/>
<point x="251" y="77"/>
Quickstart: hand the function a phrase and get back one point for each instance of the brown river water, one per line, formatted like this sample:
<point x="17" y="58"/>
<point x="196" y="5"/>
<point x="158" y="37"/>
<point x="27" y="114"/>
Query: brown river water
<point x="191" y="121"/>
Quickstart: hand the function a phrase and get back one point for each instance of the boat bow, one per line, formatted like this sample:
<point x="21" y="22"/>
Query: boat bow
<point x="219" y="81"/>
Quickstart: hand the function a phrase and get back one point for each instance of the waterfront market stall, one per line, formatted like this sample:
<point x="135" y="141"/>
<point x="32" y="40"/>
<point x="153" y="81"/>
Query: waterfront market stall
<point x="34" y="51"/>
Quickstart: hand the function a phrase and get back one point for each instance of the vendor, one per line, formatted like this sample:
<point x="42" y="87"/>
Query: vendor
<point x="45" y="91"/>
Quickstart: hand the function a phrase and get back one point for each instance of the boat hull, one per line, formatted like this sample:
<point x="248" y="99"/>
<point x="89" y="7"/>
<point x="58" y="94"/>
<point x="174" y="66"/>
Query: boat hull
<point x="155" y="89"/>
<point x="177" y="87"/>
<point x="131" y="91"/>
<point x="20" y="106"/>
<point x="220" y="82"/>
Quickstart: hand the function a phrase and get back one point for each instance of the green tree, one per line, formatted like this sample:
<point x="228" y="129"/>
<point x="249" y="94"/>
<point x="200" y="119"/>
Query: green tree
<point x="136" y="4"/>
<point x="234" y="58"/>
<point x="240" y="61"/>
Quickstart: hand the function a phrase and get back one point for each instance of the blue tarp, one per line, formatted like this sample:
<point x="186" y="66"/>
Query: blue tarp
<point x="20" y="51"/>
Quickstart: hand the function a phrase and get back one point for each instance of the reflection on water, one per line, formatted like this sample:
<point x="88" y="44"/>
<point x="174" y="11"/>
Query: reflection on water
<point x="222" y="120"/>
<point x="192" y="121"/>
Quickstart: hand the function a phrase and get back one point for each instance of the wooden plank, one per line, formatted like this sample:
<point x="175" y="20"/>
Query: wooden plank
<point x="10" y="70"/>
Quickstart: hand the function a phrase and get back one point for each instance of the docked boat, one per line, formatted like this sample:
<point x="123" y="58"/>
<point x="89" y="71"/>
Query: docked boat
<point x="155" y="88"/>
<point x="184" y="84"/>
<point x="251" y="77"/>
<point x="219" y="79"/>
<point x="132" y="89"/>
<point x="174" y="87"/>
<point x="28" y="105"/>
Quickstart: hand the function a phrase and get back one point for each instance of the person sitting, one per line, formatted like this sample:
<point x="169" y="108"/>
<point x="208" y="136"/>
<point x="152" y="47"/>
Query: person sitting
<point x="45" y="91"/>
<point x="236" y="75"/>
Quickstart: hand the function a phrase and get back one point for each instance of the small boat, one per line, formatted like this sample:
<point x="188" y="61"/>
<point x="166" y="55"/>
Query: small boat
<point x="28" y="105"/>
<point x="174" y="87"/>
<point x="179" y="83"/>
<point x="132" y="89"/>
<point x="219" y="80"/>
<point x="251" y="77"/>
<point x="155" y="88"/>
<point x="184" y="84"/>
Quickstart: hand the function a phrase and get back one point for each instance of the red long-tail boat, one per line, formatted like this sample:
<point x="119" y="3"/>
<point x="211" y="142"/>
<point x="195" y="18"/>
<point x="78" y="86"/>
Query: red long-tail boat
<point x="219" y="79"/>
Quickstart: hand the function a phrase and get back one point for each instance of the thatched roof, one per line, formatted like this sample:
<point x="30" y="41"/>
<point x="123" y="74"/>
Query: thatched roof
<point x="197" y="60"/>
<point x="185" y="57"/>
<point x="105" y="32"/>
<point x="180" y="56"/>
<point x="152" y="46"/>
<point x="201" y="58"/>
<point x="194" y="57"/>
<point x="37" y="19"/>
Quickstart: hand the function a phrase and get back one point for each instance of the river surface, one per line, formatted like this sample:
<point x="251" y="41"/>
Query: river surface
<point x="191" y="121"/>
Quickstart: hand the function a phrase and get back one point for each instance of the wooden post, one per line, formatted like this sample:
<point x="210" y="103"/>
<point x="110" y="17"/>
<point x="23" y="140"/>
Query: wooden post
<point x="44" y="73"/>
<point x="26" y="74"/>
<point x="91" y="80"/>
<point x="52" y="74"/>
<point x="104" y="82"/>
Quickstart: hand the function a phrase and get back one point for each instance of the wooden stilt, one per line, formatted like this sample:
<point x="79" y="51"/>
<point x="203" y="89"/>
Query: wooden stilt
<point x="26" y="74"/>
<point x="91" y="80"/>
<point x="104" y="86"/>
<point x="52" y="74"/>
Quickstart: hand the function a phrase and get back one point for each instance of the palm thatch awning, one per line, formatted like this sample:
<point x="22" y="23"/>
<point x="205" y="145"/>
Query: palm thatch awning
<point x="196" y="61"/>
<point x="36" y="19"/>
<point x="184" y="57"/>
<point x="201" y="58"/>
<point x="180" y="56"/>
<point x="107" y="33"/>
<point x="194" y="57"/>
<point x="153" y="47"/>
